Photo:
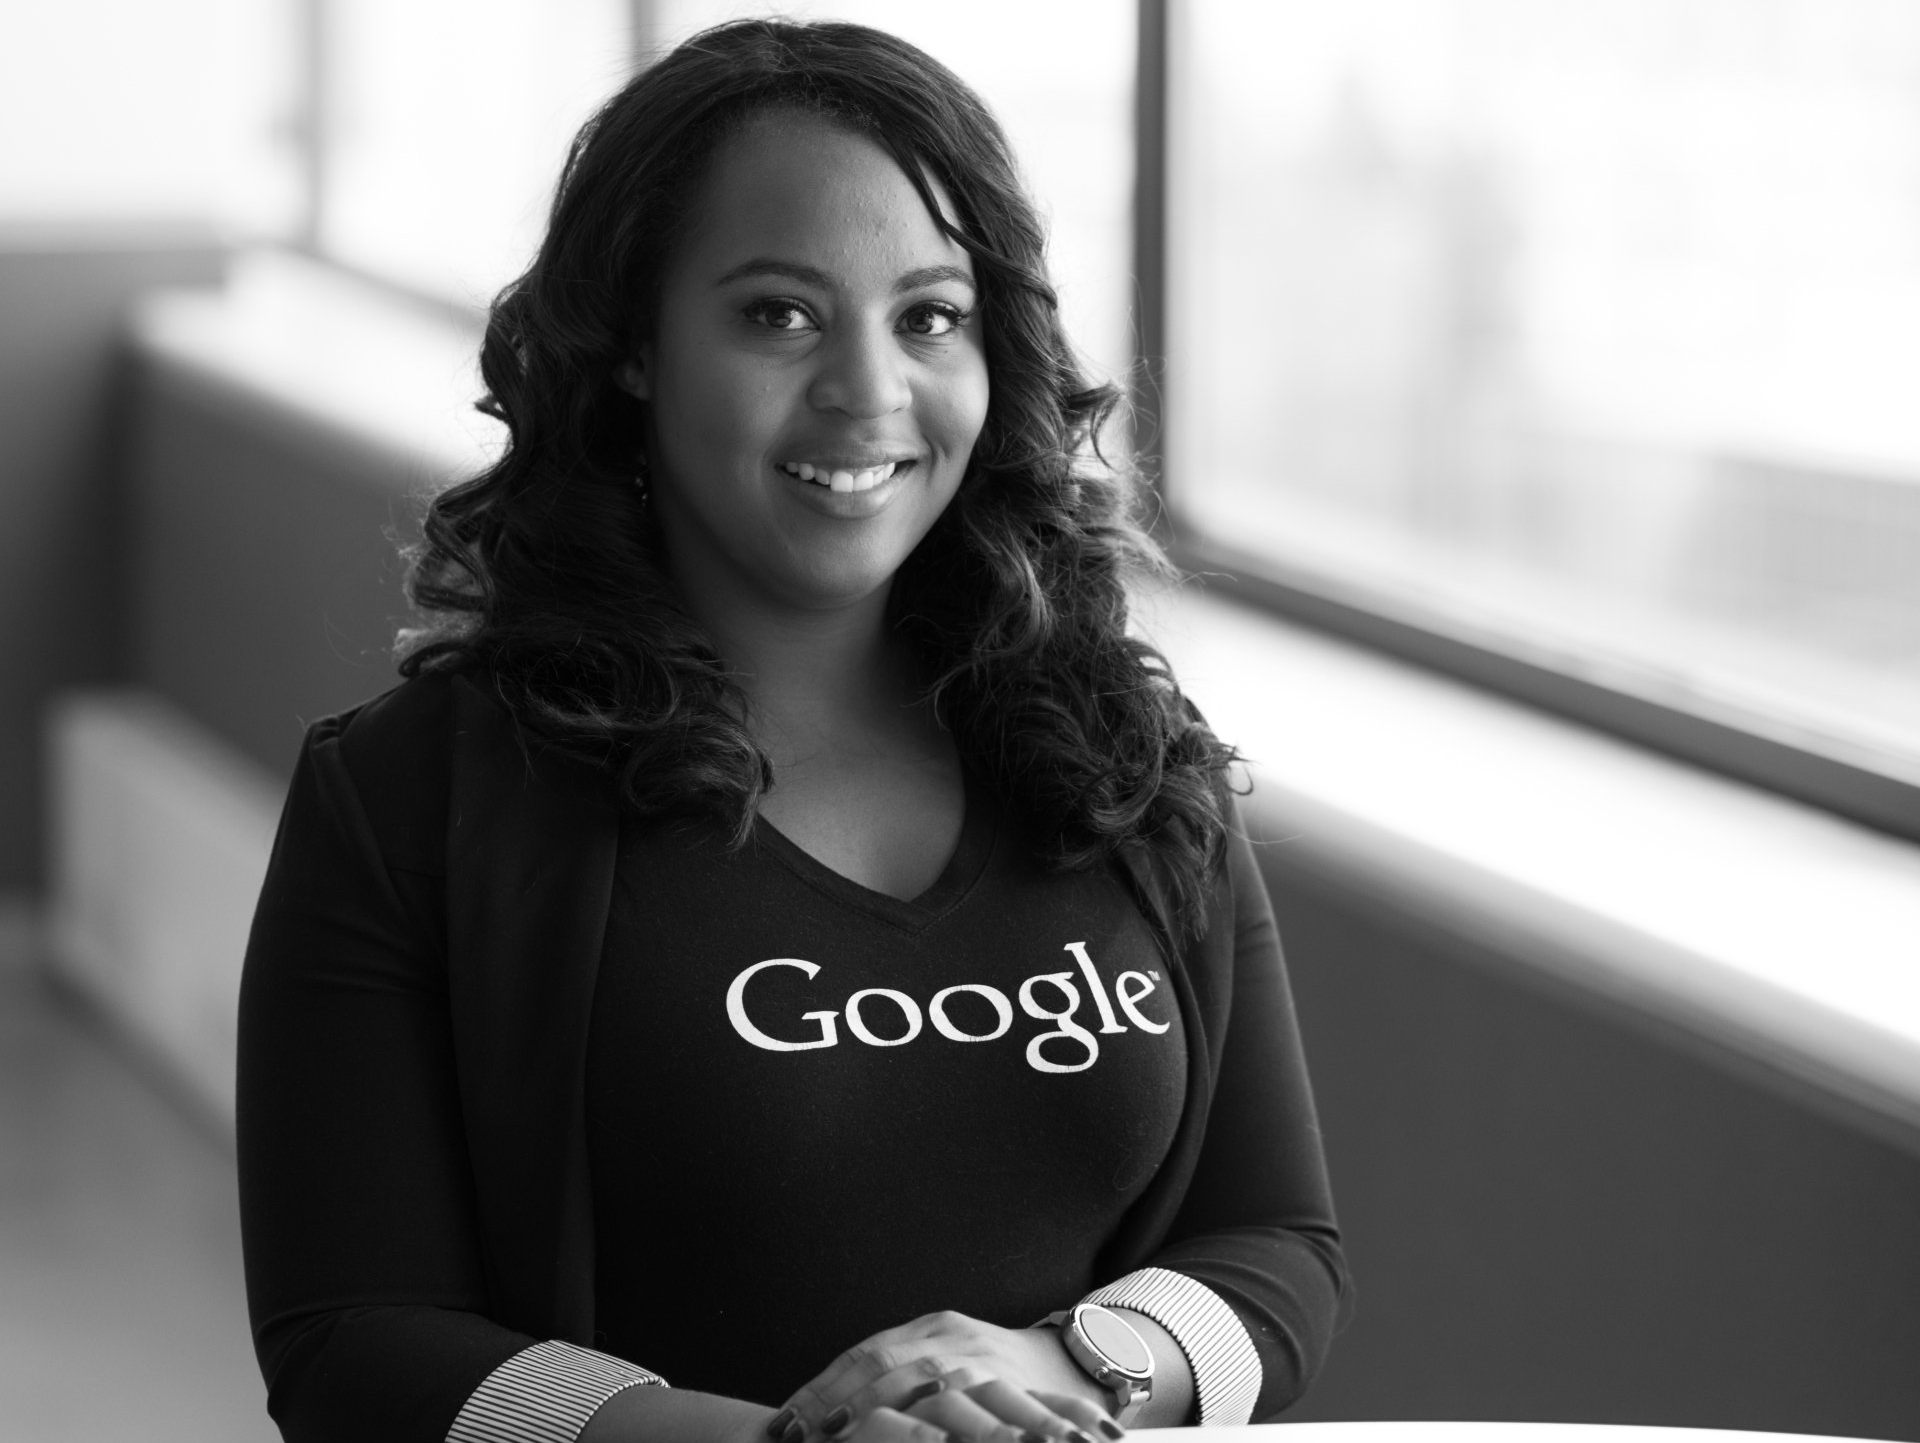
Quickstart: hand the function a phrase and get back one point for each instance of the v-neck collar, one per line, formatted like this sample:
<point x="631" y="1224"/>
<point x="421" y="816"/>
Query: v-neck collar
<point x="963" y="868"/>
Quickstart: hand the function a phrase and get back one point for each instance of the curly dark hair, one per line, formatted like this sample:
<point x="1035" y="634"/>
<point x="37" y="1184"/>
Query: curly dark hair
<point x="544" y="572"/>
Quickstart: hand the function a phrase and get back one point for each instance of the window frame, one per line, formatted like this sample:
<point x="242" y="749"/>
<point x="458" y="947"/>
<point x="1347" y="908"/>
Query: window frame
<point x="1735" y="745"/>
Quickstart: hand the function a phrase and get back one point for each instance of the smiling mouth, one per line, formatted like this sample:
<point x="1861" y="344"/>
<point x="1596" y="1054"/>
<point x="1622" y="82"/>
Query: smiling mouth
<point x="846" y="480"/>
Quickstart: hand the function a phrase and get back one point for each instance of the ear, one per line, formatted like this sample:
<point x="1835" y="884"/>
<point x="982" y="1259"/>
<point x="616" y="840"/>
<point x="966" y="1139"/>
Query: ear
<point x="631" y="377"/>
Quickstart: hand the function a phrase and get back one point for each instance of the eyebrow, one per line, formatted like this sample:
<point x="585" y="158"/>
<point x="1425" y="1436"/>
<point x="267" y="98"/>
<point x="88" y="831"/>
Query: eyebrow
<point x="810" y="276"/>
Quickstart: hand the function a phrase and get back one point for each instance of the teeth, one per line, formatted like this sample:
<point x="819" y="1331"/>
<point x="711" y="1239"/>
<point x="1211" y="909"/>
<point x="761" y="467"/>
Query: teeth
<point x="841" y="481"/>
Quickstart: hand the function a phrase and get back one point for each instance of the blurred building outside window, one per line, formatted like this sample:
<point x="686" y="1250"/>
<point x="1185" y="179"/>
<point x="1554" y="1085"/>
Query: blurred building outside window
<point x="1590" y="325"/>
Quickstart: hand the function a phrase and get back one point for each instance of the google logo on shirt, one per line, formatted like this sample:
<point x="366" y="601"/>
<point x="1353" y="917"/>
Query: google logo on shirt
<point x="1129" y="988"/>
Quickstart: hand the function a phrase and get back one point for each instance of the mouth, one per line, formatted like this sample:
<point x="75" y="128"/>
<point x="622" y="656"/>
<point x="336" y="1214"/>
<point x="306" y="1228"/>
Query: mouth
<point x="846" y="478"/>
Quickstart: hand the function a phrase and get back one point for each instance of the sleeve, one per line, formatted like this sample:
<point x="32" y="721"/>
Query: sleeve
<point x="544" y="1395"/>
<point x="364" y="1278"/>
<point x="1226" y="1365"/>
<point x="1251" y="1281"/>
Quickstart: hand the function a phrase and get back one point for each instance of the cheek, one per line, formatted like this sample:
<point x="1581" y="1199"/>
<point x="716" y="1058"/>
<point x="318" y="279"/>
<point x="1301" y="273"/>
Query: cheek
<point x="955" y="412"/>
<point x="710" y="404"/>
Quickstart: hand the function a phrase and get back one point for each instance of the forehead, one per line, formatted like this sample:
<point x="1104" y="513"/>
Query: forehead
<point x="801" y="189"/>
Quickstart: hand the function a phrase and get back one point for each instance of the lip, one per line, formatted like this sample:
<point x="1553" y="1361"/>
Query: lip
<point x="850" y="460"/>
<point x="846" y="505"/>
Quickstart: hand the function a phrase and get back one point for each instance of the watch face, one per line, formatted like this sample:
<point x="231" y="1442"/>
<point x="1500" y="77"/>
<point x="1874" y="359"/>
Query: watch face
<point x="1119" y="1342"/>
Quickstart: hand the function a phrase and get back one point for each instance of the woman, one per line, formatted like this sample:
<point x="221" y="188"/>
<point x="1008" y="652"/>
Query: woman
<point x="784" y="939"/>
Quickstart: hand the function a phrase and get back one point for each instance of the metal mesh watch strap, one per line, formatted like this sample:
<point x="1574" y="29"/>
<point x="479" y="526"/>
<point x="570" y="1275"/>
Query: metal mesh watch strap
<point x="1226" y="1369"/>
<point x="545" y="1394"/>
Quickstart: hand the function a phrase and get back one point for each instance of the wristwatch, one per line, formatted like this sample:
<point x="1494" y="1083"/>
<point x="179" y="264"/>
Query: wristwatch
<point x="1109" y="1351"/>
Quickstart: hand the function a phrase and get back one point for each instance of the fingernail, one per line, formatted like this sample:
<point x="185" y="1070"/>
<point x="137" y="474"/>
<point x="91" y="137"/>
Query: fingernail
<point x="836" y="1420"/>
<point x="780" y="1422"/>
<point x="1112" y="1429"/>
<point x="1033" y="1438"/>
<point x="928" y="1389"/>
<point x="1077" y="1435"/>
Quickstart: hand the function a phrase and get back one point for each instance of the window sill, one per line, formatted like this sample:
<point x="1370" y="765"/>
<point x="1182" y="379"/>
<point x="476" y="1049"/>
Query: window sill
<point x="1770" y="933"/>
<point x="297" y="344"/>
<point x="1774" y="935"/>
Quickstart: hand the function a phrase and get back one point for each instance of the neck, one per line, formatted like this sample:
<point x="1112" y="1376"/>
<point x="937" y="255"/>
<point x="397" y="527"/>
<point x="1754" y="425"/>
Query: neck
<point x="815" y="681"/>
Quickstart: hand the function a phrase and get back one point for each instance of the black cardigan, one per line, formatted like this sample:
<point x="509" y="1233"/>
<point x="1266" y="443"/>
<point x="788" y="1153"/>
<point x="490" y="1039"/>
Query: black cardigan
<point x="415" y="1199"/>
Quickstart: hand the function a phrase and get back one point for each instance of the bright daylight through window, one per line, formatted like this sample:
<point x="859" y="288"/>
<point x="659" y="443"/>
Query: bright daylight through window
<point x="443" y="126"/>
<point x="1588" y="326"/>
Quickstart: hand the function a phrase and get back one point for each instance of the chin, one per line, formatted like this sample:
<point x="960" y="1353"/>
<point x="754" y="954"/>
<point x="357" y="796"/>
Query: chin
<point x="837" y="588"/>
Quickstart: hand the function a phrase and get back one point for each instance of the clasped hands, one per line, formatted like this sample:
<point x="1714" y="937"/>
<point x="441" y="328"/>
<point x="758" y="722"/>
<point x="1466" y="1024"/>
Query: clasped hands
<point x="947" y="1376"/>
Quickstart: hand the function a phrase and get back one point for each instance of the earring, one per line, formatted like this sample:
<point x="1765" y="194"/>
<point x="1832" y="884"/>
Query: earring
<point x="643" y="476"/>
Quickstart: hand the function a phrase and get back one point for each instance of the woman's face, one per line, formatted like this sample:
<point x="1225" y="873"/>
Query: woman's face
<point x="816" y="373"/>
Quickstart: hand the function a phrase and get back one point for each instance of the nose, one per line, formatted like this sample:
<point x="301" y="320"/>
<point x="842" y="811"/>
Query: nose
<point x="862" y="374"/>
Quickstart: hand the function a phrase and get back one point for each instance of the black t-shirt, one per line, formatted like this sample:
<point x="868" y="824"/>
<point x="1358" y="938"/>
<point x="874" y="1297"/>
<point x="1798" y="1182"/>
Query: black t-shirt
<point x="949" y="1102"/>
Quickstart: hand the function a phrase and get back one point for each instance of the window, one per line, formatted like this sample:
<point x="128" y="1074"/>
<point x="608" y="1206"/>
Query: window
<point x="1576" y="336"/>
<point x="119" y="111"/>
<point x="443" y="125"/>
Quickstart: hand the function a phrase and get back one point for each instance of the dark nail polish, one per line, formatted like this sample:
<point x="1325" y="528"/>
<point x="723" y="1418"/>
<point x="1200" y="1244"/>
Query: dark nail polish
<point x="1033" y="1438"/>
<point x="795" y="1431"/>
<point x="1112" y="1429"/>
<point x="836" y="1420"/>
<point x="779" y="1422"/>
<point x="927" y="1390"/>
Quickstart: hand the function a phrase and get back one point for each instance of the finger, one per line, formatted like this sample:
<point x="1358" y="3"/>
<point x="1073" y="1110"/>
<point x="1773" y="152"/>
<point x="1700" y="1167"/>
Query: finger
<point x="868" y="1360"/>
<point x="883" y="1381"/>
<point x="879" y="1372"/>
<point x="1087" y="1418"/>
<point x="889" y="1425"/>
<point x="913" y="1382"/>
<point x="957" y="1413"/>
<point x="1018" y="1408"/>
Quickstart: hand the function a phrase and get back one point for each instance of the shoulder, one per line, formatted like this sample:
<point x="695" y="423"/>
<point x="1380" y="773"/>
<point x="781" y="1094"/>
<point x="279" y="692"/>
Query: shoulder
<point x="396" y="750"/>
<point x="1242" y="874"/>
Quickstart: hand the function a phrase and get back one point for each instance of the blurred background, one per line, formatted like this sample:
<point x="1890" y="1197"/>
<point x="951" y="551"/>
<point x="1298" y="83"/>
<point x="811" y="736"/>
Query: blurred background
<point x="1582" y="334"/>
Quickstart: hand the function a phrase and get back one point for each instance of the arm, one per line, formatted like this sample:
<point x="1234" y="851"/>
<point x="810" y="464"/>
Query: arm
<point x="364" y="1276"/>
<point x="1256" y="1230"/>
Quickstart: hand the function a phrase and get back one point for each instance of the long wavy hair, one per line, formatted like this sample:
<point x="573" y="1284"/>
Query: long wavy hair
<point x="545" y="574"/>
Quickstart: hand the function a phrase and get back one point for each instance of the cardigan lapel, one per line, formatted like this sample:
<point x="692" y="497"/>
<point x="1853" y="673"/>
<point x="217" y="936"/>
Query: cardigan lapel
<point x="531" y="848"/>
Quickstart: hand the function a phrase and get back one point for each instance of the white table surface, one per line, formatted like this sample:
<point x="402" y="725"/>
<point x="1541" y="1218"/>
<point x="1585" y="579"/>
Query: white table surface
<point x="1474" y="1433"/>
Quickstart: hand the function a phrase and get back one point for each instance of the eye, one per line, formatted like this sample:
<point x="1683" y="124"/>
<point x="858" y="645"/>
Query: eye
<point x="934" y="318"/>
<point x="778" y="315"/>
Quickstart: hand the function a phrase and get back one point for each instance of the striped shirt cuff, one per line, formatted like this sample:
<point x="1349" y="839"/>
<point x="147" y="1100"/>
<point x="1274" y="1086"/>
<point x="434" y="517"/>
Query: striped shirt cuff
<point x="544" y="1394"/>
<point x="1226" y="1369"/>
